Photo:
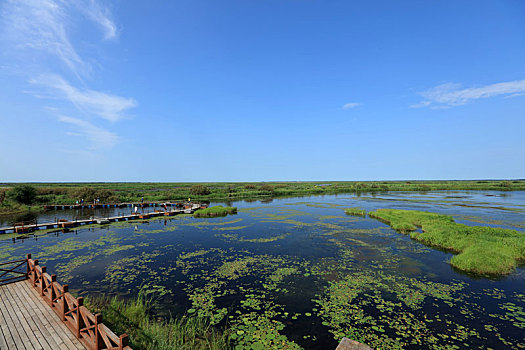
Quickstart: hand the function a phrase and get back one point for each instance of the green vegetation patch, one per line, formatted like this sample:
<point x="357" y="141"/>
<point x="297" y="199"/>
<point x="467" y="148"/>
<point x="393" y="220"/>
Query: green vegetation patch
<point x="366" y="306"/>
<point x="217" y="210"/>
<point x="355" y="211"/>
<point x="132" y="317"/>
<point x="234" y="237"/>
<point x="481" y="250"/>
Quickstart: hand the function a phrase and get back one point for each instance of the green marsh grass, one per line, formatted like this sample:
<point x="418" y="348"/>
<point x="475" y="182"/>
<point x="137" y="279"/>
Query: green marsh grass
<point x="146" y="333"/>
<point x="68" y="193"/>
<point x="355" y="211"/>
<point x="214" y="211"/>
<point x="480" y="250"/>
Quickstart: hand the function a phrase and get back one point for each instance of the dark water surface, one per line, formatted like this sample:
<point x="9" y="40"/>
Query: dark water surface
<point x="298" y="272"/>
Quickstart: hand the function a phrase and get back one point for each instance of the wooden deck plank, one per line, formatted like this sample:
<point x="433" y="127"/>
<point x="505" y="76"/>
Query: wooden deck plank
<point x="10" y="344"/>
<point x="3" y="344"/>
<point x="13" y="329"/>
<point x="28" y="318"/>
<point x="43" y="325"/>
<point x="28" y="323"/>
<point x="59" y="332"/>
<point x="49" y="321"/>
<point x="66" y="335"/>
<point x="28" y="337"/>
<point x="46" y="324"/>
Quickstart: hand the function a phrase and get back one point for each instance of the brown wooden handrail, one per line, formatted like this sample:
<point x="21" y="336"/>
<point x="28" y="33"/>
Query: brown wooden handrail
<point x="13" y="273"/>
<point x="86" y="326"/>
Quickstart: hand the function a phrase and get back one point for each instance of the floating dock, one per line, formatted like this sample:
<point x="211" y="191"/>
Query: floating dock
<point x="62" y="223"/>
<point x="110" y="205"/>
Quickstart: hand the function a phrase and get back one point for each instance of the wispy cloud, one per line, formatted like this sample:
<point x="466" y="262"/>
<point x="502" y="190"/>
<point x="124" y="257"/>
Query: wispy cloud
<point x="351" y="105"/>
<point x="38" y="34"/>
<point x="100" y="15"/>
<point x="99" y="138"/>
<point x="451" y="94"/>
<point x="41" y="26"/>
<point x="109" y="107"/>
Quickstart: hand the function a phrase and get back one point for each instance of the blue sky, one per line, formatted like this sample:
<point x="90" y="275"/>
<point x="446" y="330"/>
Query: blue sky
<point x="261" y="90"/>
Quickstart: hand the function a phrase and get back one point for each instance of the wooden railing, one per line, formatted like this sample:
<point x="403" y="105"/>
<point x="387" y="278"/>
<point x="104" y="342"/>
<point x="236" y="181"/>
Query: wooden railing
<point x="13" y="271"/>
<point x="87" y="327"/>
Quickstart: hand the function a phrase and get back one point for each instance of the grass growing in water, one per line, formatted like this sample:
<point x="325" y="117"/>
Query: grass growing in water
<point x="355" y="211"/>
<point x="132" y="317"/>
<point x="482" y="250"/>
<point x="217" y="210"/>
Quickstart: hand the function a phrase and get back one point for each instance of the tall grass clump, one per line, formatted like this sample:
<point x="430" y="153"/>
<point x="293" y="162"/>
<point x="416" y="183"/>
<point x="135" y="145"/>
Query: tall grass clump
<point x="481" y="250"/>
<point x="355" y="211"/>
<point x="145" y="333"/>
<point x="214" y="211"/>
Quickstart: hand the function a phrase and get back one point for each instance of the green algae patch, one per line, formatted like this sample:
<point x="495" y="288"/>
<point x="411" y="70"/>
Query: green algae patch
<point x="231" y="228"/>
<point x="235" y="237"/>
<point x="237" y="268"/>
<point x="215" y="211"/>
<point x="204" y="223"/>
<point x="481" y="250"/>
<point x="355" y="211"/>
<point x="196" y="253"/>
<point x="383" y="310"/>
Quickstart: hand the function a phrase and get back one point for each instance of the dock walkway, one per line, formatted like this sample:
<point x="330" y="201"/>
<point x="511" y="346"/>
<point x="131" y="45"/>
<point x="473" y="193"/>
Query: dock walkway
<point x="37" y="312"/>
<point x="27" y="322"/>
<point x="26" y="228"/>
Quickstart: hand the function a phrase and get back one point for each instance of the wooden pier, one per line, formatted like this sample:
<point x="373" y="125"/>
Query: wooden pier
<point x="26" y="322"/>
<point x="36" y="312"/>
<point x="62" y="223"/>
<point x="113" y="205"/>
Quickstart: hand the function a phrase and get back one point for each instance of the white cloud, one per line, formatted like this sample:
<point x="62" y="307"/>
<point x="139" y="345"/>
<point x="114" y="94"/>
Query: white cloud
<point x="39" y="34"/>
<point x="41" y="26"/>
<point x="99" y="138"/>
<point x="351" y="105"/>
<point x="99" y="15"/>
<point x="109" y="107"/>
<point x="451" y="94"/>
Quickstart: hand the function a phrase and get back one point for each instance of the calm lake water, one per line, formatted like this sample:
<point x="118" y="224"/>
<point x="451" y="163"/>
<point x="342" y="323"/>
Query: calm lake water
<point x="298" y="272"/>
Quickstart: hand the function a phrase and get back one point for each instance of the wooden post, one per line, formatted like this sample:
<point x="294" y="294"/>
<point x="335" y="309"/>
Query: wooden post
<point x="65" y="289"/>
<point x="33" y="277"/>
<point x="42" y="280"/>
<point x="27" y="262"/>
<point x="80" y="303"/>
<point x="124" y="341"/>
<point x="98" y="320"/>
<point x="52" y="294"/>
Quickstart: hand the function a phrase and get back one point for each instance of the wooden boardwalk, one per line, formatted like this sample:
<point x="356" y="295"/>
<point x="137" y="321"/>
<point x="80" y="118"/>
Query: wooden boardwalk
<point x="37" y="312"/>
<point x="27" y="322"/>
<point x="27" y="228"/>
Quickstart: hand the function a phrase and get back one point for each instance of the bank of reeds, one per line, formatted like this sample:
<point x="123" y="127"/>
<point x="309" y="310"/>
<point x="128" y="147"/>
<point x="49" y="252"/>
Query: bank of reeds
<point x="69" y="193"/>
<point x="480" y="249"/>
<point x="146" y="333"/>
<point x="214" y="211"/>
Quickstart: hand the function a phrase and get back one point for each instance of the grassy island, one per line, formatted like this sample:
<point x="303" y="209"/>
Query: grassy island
<point x="481" y="250"/>
<point x="355" y="211"/>
<point x="217" y="210"/>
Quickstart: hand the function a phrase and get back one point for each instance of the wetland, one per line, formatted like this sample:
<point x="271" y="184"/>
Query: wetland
<point x="299" y="272"/>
